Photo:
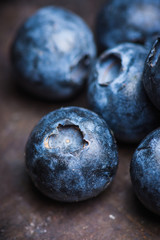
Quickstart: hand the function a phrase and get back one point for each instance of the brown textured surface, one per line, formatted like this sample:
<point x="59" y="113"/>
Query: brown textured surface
<point x="24" y="212"/>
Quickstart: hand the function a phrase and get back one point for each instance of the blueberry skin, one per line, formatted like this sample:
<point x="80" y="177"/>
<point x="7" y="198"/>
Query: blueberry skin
<point x="71" y="155"/>
<point x="52" y="53"/>
<point x="128" y="21"/>
<point x="116" y="92"/>
<point x="145" y="171"/>
<point x="151" y="74"/>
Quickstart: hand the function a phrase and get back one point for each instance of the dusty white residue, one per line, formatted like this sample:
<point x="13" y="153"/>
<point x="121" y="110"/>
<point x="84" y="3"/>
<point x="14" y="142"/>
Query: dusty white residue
<point x="112" y="217"/>
<point x="35" y="226"/>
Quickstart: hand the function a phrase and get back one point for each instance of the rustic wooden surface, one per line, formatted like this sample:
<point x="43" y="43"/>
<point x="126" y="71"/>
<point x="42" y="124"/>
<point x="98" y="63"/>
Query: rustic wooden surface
<point x="24" y="212"/>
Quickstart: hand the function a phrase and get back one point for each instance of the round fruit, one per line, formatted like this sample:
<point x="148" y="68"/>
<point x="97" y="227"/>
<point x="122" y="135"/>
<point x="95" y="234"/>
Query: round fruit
<point x="71" y="155"/>
<point x="151" y="74"/>
<point x="128" y="21"/>
<point x="116" y="92"/>
<point x="145" y="171"/>
<point x="52" y="53"/>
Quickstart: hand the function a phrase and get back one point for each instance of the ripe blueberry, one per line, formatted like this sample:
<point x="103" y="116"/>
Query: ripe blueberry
<point x="71" y="155"/>
<point x="145" y="171"/>
<point x="128" y="21"/>
<point x="52" y="53"/>
<point x="151" y="74"/>
<point x="116" y="92"/>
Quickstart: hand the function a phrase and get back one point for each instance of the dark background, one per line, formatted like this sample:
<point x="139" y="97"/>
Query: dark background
<point x="116" y="214"/>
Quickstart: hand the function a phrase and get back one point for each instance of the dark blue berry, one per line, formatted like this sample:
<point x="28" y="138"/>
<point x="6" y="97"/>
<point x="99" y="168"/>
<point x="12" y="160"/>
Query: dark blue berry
<point x="151" y="74"/>
<point x="71" y="155"/>
<point x="116" y="92"/>
<point x="145" y="171"/>
<point x="128" y="21"/>
<point x="52" y="53"/>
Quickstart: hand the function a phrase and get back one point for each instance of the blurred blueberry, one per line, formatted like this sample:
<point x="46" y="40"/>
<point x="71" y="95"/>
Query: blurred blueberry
<point x="128" y="21"/>
<point x="145" y="171"/>
<point x="71" y="155"/>
<point x="151" y="74"/>
<point x="52" y="53"/>
<point x="116" y="92"/>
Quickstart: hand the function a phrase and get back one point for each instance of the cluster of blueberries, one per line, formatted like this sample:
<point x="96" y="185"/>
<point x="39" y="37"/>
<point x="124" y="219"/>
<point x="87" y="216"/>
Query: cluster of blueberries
<point x="71" y="155"/>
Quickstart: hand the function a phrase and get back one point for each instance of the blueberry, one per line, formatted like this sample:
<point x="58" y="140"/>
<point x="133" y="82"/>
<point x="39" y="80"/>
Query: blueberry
<point x="116" y="92"/>
<point x="128" y="21"/>
<point x="71" y="155"/>
<point x="52" y="53"/>
<point x="145" y="171"/>
<point x="151" y="74"/>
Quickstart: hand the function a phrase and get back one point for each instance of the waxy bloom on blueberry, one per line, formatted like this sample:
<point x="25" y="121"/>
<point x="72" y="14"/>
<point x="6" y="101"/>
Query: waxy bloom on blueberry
<point x="116" y="92"/>
<point x="52" y="53"/>
<point x="145" y="171"/>
<point x="135" y="21"/>
<point x="151" y="74"/>
<point x="71" y="155"/>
